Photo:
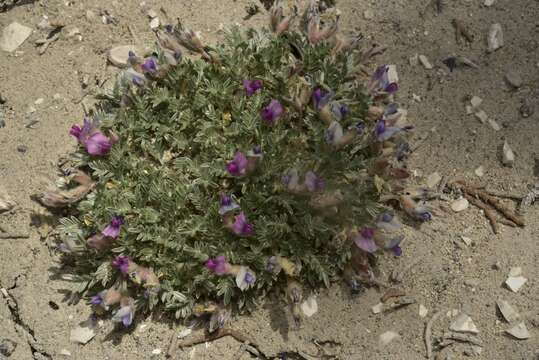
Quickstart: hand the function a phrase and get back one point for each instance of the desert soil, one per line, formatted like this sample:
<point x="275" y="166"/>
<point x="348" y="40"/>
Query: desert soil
<point x="444" y="273"/>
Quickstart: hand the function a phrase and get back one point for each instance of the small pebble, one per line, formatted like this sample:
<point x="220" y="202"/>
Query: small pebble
<point x="495" y="37"/>
<point x="423" y="311"/>
<point x="482" y="116"/>
<point x="513" y="78"/>
<point x="463" y="323"/>
<point x="433" y="179"/>
<point x="154" y="23"/>
<point x="39" y="101"/>
<point x="480" y="171"/>
<point x="508" y="312"/>
<point x="508" y="156"/>
<point x="156" y="351"/>
<point x="65" y="352"/>
<point x="489" y="3"/>
<point x="414" y="60"/>
<point x="494" y="125"/>
<point x="476" y="101"/>
<point x="515" y="283"/>
<point x="425" y="62"/>
<point x="378" y="308"/>
<point x="460" y="205"/>
<point x="22" y="149"/>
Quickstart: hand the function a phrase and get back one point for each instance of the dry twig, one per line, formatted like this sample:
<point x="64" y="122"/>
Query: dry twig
<point x="461" y="31"/>
<point x="195" y="340"/>
<point x="489" y="212"/>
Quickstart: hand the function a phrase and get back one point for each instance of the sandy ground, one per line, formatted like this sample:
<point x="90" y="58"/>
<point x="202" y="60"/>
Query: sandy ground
<point x="444" y="273"/>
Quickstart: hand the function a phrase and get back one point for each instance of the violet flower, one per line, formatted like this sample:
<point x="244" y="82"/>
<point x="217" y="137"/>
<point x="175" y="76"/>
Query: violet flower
<point x="227" y="204"/>
<point x="95" y="142"/>
<point x="150" y="65"/>
<point x="113" y="229"/>
<point x="365" y="240"/>
<point x="238" y="166"/>
<point x="380" y="81"/>
<point x="339" y="110"/>
<point x="122" y="263"/>
<point x="126" y="313"/>
<point x="393" y="245"/>
<point x="251" y="86"/>
<point x="384" y="132"/>
<point x="314" y="182"/>
<point x="245" y="278"/>
<point x="219" y="265"/>
<point x="97" y="300"/>
<point x="241" y="226"/>
<point x="272" y="112"/>
<point x="321" y="98"/>
<point x="388" y="222"/>
<point x="135" y="77"/>
<point x="422" y="213"/>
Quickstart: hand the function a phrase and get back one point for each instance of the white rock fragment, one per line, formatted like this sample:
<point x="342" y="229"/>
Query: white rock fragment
<point x="463" y="323"/>
<point x="519" y="331"/>
<point x="476" y="101"/>
<point x="515" y="271"/>
<point x="378" y="308"/>
<point x="495" y="37"/>
<point x="460" y="205"/>
<point x="388" y="337"/>
<point x="425" y="62"/>
<point x="309" y="307"/>
<point x="489" y="3"/>
<point x="154" y="23"/>
<point x="65" y="352"/>
<point x="184" y="333"/>
<point x="508" y="312"/>
<point x="414" y="60"/>
<point x="118" y="55"/>
<point x="508" y="156"/>
<point x="423" y="311"/>
<point x="39" y="101"/>
<point x="466" y="240"/>
<point x="6" y="204"/>
<point x="82" y="334"/>
<point x="392" y="75"/>
<point x="514" y="283"/>
<point x="482" y="116"/>
<point x="416" y="98"/>
<point x="494" y="125"/>
<point x="13" y="36"/>
<point x="469" y="109"/>
<point x="157" y="351"/>
<point x="433" y="179"/>
<point x="480" y="171"/>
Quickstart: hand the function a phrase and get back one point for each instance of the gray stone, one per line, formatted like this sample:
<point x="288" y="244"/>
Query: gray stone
<point x="495" y="37"/>
<point x="7" y="347"/>
<point x="508" y="156"/>
<point x="508" y="312"/>
<point x="519" y="331"/>
<point x="13" y="36"/>
<point x="513" y="78"/>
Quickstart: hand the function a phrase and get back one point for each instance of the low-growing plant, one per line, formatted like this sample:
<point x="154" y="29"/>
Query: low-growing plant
<point x="205" y="182"/>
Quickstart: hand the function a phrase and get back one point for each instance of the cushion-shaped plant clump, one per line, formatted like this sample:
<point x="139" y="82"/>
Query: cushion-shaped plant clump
<point x="207" y="181"/>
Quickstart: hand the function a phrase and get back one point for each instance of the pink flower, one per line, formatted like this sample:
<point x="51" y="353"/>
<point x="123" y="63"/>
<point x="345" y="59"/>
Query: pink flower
<point x="219" y="265"/>
<point x="241" y="226"/>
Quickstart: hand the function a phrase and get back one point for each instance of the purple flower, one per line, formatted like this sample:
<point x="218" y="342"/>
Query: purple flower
<point x="122" y="262"/>
<point x="97" y="300"/>
<point x="256" y="151"/>
<point x="227" y="204"/>
<point x="360" y="127"/>
<point x="238" y="166"/>
<point x="219" y="265"/>
<point x="388" y="222"/>
<point x="245" y="278"/>
<point x="135" y="77"/>
<point x="113" y="229"/>
<point x="313" y="182"/>
<point x="384" y="132"/>
<point x="150" y="65"/>
<point x="321" y="98"/>
<point x="126" y="313"/>
<point x="95" y="142"/>
<point x="272" y="112"/>
<point x="365" y="240"/>
<point x="423" y="214"/>
<point x="393" y="245"/>
<point x="241" y="226"/>
<point x="132" y="58"/>
<point x="381" y="81"/>
<point x="251" y="86"/>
